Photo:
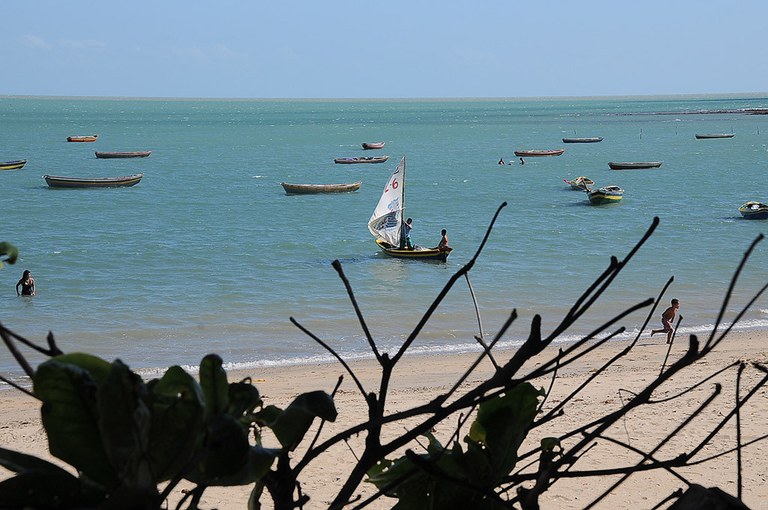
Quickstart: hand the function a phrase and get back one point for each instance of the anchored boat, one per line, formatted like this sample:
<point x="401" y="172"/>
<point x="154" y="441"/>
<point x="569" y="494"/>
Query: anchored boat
<point x="310" y="189"/>
<point x="605" y="195"/>
<point x="754" y="211"/>
<point x="13" y="165"/>
<point x="59" y="181"/>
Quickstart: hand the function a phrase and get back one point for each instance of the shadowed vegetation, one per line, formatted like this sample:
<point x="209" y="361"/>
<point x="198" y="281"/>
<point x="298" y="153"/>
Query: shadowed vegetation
<point x="126" y="438"/>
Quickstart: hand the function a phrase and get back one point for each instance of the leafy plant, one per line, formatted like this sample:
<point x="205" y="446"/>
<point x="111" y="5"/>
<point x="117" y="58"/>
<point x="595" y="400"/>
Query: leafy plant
<point x="124" y="437"/>
<point x="8" y="253"/>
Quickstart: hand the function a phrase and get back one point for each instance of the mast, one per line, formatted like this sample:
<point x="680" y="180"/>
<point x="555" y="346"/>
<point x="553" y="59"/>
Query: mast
<point x="402" y="208"/>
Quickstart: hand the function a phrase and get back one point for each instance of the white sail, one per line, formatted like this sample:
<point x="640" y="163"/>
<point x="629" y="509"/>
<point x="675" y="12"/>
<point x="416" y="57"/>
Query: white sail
<point x="387" y="218"/>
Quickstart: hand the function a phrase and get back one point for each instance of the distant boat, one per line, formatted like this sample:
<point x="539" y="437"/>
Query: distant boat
<point x="754" y="211"/>
<point x="12" y="165"/>
<point x="135" y="154"/>
<point x="386" y="222"/>
<point x="580" y="183"/>
<point x="589" y="139"/>
<point x="605" y="195"/>
<point x="350" y="161"/>
<point x="535" y="153"/>
<point x="82" y="138"/>
<point x="373" y="145"/>
<point x="633" y="165"/>
<point x="310" y="189"/>
<point x="713" y="135"/>
<point x="57" y="181"/>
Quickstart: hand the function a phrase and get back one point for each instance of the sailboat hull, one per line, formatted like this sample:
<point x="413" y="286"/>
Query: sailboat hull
<point x="417" y="253"/>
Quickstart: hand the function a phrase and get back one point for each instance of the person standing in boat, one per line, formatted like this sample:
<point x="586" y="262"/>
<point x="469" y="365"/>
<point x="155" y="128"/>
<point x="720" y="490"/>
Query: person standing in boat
<point x="443" y="244"/>
<point x="27" y="284"/>
<point x="407" y="226"/>
<point x="666" y="320"/>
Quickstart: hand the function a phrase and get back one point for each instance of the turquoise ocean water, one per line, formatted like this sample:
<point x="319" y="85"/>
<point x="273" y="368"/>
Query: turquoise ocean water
<point x="207" y="253"/>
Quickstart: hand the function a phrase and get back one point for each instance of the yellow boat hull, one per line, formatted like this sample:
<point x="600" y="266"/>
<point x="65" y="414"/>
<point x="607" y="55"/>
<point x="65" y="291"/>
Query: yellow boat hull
<point x="417" y="253"/>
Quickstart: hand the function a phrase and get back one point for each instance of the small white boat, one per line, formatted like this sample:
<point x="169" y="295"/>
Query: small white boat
<point x="580" y="183"/>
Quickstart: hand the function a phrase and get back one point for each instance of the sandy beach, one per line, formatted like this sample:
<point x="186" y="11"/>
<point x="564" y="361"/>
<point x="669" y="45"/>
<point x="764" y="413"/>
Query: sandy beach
<point x="418" y="379"/>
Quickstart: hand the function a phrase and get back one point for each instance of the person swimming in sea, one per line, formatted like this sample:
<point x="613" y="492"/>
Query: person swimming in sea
<point x="27" y="284"/>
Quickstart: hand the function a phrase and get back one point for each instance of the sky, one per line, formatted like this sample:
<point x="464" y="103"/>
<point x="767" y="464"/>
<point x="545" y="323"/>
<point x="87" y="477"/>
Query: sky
<point x="387" y="49"/>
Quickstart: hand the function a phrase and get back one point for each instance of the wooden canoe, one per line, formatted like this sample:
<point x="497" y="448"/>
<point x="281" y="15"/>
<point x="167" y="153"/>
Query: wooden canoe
<point x="589" y="139"/>
<point x="706" y="136"/>
<point x="111" y="155"/>
<point x="311" y="189"/>
<point x="58" y="181"/>
<point x="373" y="145"/>
<point x="633" y="165"/>
<point x="536" y="153"/>
<point x="418" y="252"/>
<point x="82" y="138"/>
<point x="12" y="165"/>
<point x="350" y="161"/>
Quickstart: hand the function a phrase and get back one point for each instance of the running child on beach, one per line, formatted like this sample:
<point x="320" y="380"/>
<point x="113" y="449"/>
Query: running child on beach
<point x="666" y="320"/>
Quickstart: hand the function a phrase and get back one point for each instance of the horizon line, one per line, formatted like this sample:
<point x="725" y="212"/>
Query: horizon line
<point x="716" y="95"/>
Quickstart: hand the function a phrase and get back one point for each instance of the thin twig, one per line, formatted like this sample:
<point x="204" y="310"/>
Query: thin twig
<point x="451" y="281"/>
<point x="481" y="336"/>
<point x="337" y="266"/>
<point x="731" y="286"/>
<point x="740" y="480"/>
<point x="18" y="387"/>
<point x="650" y="454"/>
<point x="333" y="353"/>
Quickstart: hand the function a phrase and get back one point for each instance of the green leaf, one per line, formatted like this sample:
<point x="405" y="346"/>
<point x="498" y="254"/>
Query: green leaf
<point x="96" y="367"/>
<point x="259" y="462"/>
<point x="290" y="425"/>
<point x="213" y="380"/>
<point x="243" y="398"/>
<point x="124" y="423"/>
<point x="416" y="489"/>
<point x="9" y="252"/>
<point x="70" y="417"/>
<point x="177" y="422"/>
<point x="501" y="426"/>
<point x="226" y="451"/>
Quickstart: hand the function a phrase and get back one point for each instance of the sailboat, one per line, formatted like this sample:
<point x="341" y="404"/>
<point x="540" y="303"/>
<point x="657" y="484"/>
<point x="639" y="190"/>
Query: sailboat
<point x="386" y="223"/>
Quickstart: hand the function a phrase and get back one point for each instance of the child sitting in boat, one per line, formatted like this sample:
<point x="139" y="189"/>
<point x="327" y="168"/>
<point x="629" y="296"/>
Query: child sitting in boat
<point x="443" y="244"/>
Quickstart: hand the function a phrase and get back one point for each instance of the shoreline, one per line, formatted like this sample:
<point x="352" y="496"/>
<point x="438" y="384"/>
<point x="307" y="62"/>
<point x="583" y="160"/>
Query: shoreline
<point x="420" y="378"/>
<point x="416" y="351"/>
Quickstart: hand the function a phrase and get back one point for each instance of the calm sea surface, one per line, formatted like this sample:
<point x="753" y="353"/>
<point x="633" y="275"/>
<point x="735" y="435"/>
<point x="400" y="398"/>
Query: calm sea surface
<point x="208" y="254"/>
